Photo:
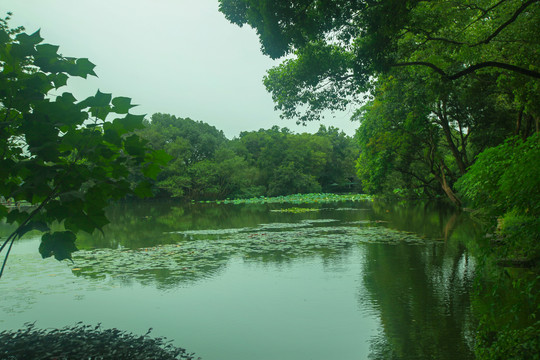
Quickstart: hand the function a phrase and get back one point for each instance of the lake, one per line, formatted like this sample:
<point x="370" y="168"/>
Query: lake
<point x="341" y="280"/>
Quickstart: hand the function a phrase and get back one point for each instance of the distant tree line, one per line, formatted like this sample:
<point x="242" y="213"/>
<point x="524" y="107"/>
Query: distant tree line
<point x="207" y="165"/>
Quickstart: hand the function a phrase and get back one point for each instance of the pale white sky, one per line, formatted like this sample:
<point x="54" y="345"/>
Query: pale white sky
<point x="180" y="57"/>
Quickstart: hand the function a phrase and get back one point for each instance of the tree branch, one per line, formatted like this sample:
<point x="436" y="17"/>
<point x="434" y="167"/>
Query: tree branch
<point x="472" y="68"/>
<point x="508" y="22"/>
<point x="490" y="37"/>
<point x="484" y="12"/>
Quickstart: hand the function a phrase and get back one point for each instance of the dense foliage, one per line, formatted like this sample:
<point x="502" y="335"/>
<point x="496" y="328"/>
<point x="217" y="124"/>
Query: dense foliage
<point x="208" y="166"/>
<point x="420" y="135"/>
<point x="504" y="182"/>
<point x="66" y="158"/>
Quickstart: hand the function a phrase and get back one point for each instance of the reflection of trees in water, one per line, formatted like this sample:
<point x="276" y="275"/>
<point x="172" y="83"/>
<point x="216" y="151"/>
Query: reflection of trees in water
<point x="431" y="219"/>
<point x="141" y="224"/>
<point x="203" y="253"/>
<point x="170" y="265"/>
<point x="422" y="297"/>
<point x="145" y="224"/>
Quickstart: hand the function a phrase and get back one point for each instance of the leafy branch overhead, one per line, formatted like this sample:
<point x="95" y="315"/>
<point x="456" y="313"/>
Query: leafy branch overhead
<point x="65" y="158"/>
<point x="351" y="43"/>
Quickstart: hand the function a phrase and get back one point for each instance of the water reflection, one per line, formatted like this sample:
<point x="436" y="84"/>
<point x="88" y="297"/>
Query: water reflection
<point x="415" y="274"/>
<point x="145" y="224"/>
<point x="422" y="296"/>
<point x="201" y="254"/>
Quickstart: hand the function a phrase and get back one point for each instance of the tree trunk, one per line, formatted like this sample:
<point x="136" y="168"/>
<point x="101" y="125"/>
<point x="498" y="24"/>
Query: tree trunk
<point x="518" y="122"/>
<point x="528" y="126"/>
<point x="443" y="121"/>
<point x="447" y="188"/>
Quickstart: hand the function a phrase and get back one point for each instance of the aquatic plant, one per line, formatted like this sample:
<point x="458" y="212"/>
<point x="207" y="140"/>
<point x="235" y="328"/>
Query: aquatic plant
<point x="295" y="210"/>
<point x="311" y="198"/>
<point x="200" y="254"/>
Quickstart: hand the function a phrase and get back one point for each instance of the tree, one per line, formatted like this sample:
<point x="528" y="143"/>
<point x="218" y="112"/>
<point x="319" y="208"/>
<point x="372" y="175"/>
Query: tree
<point x="418" y="132"/>
<point x="189" y="143"/>
<point x="65" y="158"/>
<point x="339" y="51"/>
<point x="339" y="173"/>
<point x="288" y="179"/>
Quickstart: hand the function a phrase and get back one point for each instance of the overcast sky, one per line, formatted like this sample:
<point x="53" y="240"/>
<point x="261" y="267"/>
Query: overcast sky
<point x="180" y="57"/>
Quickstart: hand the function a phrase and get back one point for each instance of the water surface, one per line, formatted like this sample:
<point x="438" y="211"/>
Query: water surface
<point x="351" y="280"/>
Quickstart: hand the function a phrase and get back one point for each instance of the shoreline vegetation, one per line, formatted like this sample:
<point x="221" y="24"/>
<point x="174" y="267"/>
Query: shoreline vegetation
<point x="310" y="198"/>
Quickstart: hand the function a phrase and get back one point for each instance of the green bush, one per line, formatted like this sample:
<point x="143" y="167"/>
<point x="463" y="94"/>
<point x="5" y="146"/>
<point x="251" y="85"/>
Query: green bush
<point x="505" y="177"/>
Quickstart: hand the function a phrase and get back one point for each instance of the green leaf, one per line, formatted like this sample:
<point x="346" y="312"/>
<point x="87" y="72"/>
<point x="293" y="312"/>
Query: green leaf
<point x="161" y="157"/>
<point x="26" y="45"/>
<point x="60" y="80"/>
<point x="131" y="122"/>
<point x="3" y="211"/>
<point x="57" y="211"/>
<point x="98" y="100"/>
<point x="112" y="136"/>
<point x="135" y="146"/>
<point x="16" y="216"/>
<point x="67" y="97"/>
<point x="85" y="68"/>
<point x="78" y="220"/>
<point x="32" y="39"/>
<point x="102" y="99"/>
<point x="47" y="50"/>
<point x="59" y="244"/>
<point x="122" y="104"/>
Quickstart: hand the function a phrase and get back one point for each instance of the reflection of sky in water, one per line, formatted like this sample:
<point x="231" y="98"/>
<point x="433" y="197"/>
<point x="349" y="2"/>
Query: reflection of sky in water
<point x="315" y="288"/>
<point x="304" y="309"/>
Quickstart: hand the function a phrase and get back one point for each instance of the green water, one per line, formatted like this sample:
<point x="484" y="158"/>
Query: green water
<point x="352" y="280"/>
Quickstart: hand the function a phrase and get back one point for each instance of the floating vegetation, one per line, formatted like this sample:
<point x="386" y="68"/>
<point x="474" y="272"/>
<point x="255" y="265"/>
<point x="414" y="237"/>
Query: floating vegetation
<point x="85" y="342"/>
<point x="351" y="209"/>
<point x="296" y="210"/>
<point x="315" y="221"/>
<point x="321" y="198"/>
<point x="209" y="231"/>
<point x="199" y="255"/>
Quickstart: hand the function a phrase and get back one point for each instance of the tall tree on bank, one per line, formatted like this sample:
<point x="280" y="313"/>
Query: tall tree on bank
<point x="422" y="135"/>
<point x="66" y="158"/>
<point x="338" y="49"/>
